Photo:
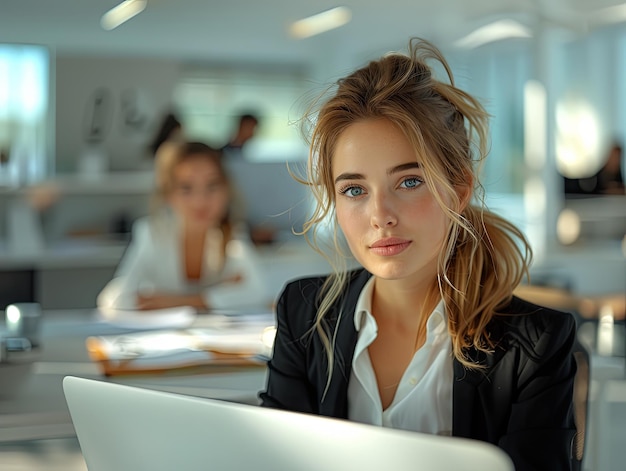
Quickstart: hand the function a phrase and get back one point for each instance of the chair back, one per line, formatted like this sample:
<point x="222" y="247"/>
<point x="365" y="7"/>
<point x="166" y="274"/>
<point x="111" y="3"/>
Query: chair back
<point x="581" y="401"/>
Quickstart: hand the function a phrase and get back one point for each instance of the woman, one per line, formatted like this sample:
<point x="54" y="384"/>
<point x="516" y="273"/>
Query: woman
<point x="427" y="336"/>
<point x="188" y="253"/>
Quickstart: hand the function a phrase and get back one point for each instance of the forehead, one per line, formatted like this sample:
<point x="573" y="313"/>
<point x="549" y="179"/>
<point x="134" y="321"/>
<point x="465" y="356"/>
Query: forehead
<point x="196" y="164"/>
<point x="369" y="143"/>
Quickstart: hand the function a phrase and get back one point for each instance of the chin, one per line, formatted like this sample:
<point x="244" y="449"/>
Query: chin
<point x="200" y="223"/>
<point x="387" y="271"/>
<point x="204" y="219"/>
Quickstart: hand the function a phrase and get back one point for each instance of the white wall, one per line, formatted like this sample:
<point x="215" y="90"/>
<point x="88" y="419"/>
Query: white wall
<point x="146" y="84"/>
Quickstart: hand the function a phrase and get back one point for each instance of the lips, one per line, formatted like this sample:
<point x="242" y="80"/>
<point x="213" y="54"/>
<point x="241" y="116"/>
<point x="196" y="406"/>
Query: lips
<point x="389" y="246"/>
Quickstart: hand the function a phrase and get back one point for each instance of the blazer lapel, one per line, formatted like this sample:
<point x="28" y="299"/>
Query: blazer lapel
<point x="464" y="392"/>
<point x="336" y="401"/>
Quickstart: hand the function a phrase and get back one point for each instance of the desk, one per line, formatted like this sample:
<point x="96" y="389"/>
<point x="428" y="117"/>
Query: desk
<point x="39" y="410"/>
<point x="87" y="264"/>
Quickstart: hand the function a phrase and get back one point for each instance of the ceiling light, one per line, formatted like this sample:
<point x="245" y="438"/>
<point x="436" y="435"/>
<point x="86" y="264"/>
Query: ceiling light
<point x="501" y="29"/>
<point x="568" y="226"/>
<point x="614" y="14"/>
<point x="122" y="13"/>
<point x="320" y="23"/>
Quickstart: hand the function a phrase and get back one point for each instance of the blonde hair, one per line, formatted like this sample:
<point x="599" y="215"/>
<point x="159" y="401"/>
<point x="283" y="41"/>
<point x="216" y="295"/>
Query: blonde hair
<point x="484" y="257"/>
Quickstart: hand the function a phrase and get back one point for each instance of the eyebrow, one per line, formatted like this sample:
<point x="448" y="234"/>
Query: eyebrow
<point x="391" y="171"/>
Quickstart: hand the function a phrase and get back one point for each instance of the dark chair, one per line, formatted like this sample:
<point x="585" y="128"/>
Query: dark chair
<point x="581" y="403"/>
<point x="16" y="286"/>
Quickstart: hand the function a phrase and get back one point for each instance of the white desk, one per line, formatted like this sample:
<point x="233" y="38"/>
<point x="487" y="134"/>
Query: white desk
<point x="39" y="409"/>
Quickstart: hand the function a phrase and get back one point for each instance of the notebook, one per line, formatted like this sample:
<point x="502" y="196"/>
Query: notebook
<point x="125" y="428"/>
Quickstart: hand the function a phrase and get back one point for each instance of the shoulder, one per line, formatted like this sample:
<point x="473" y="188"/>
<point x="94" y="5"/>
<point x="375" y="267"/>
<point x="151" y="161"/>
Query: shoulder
<point x="308" y="289"/>
<point x="535" y="328"/>
<point x="302" y="292"/>
<point x="240" y="248"/>
<point x="522" y="312"/>
<point x="300" y="298"/>
<point x="142" y="227"/>
<point x="154" y="228"/>
<point x="240" y="238"/>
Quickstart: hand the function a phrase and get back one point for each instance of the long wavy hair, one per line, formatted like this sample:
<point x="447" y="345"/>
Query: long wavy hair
<point x="484" y="256"/>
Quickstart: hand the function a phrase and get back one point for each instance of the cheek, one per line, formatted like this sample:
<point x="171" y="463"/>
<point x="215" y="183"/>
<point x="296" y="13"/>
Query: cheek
<point x="350" y="221"/>
<point x="175" y="202"/>
<point x="223" y="199"/>
<point x="425" y="215"/>
<point x="438" y="219"/>
<point x="342" y="215"/>
<point x="219" y="203"/>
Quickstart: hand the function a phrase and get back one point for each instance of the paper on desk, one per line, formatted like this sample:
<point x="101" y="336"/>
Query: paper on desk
<point x="240" y="339"/>
<point x="155" y="352"/>
<point x="170" y="318"/>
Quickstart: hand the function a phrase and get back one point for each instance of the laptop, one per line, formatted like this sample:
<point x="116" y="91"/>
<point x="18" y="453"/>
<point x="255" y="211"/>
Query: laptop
<point x="124" y="428"/>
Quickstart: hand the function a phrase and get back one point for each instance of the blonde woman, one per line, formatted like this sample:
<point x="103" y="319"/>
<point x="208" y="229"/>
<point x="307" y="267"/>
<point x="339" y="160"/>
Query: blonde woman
<point x="427" y="336"/>
<point x="189" y="252"/>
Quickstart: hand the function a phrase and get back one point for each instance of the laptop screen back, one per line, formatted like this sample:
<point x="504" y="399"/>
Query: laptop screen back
<point x="124" y="428"/>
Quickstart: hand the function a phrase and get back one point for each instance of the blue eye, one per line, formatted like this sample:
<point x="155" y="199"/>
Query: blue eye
<point x="352" y="191"/>
<point x="411" y="182"/>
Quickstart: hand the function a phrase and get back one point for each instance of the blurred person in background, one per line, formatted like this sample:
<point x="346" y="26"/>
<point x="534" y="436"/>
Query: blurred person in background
<point x="247" y="125"/>
<point x="233" y="152"/>
<point x="609" y="180"/>
<point x="189" y="251"/>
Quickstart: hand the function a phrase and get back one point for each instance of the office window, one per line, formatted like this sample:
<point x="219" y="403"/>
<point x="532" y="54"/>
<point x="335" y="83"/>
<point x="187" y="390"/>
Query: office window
<point x="24" y="114"/>
<point x="592" y="103"/>
<point x="496" y="74"/>
<point x="210" y="99"/>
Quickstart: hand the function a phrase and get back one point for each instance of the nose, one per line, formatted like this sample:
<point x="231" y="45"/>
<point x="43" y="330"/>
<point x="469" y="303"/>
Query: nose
<point x="382" y="211"/>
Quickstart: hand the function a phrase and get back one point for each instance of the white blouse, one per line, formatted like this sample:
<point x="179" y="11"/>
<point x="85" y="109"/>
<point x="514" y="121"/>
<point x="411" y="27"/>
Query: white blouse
<point x="423" y="399"/>
<point x="153" y="262"/>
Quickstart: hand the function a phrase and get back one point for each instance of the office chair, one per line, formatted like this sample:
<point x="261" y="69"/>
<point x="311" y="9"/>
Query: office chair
<point x="581" y="403"/>
<point x="16" y="286"/>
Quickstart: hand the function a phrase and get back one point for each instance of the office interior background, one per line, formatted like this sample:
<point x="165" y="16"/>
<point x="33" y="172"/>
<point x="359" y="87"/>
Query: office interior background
<point x="79" y="105"/>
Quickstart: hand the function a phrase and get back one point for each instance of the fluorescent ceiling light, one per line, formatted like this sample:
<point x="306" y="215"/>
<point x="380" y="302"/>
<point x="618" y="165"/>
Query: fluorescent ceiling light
<point x="615" y="14"/>
<point x="320" y="23"/>
<point x="501" y="29"/>
<point x="122" y="13"/>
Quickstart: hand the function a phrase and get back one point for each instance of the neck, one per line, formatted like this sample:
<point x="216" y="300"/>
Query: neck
<point x="197" y="230"/>
<point x="402" y="300"/>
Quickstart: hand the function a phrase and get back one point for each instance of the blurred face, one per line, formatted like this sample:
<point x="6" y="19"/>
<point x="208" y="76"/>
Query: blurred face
<point x="199" y="193"/>
<point x="392" y="223"/>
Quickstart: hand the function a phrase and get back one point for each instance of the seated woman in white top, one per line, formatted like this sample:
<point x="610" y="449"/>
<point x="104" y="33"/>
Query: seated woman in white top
<point x="188" y="252"/>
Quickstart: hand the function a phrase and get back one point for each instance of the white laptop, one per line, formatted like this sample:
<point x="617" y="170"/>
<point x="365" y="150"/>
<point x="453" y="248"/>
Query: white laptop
<point x="123" y="428"/>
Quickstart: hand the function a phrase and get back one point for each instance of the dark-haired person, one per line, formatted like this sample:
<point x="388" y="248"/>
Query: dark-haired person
<point x="247" y="125"/>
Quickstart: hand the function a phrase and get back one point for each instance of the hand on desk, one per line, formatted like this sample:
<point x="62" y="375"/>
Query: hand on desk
<point x="147" y="302"/>
<point x="157" y="300"/>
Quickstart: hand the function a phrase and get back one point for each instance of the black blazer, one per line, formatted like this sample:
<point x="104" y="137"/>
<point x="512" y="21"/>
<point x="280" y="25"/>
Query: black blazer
<point x="521" y="402"/>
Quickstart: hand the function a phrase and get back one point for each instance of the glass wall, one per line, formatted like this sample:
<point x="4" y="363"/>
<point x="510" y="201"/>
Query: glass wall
<point x="24" y="114"/>
<point x="561" y="91"/>
<point x="592" y="103"/>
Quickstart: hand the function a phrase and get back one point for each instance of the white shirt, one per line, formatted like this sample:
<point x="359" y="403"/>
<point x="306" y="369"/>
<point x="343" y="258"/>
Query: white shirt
<point x="423" y="399"/>
<point x="153" y="262"/>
